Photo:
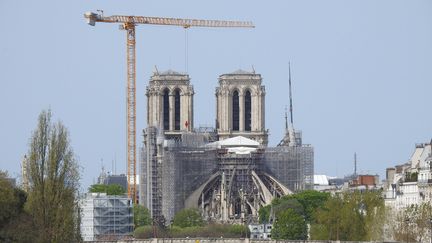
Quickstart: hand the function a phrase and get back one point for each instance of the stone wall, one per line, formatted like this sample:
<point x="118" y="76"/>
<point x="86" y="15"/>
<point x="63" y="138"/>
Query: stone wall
<point x="223" y="240"/>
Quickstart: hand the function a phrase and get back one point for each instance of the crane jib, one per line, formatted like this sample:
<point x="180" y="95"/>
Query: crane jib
<point x="128" y="24"/>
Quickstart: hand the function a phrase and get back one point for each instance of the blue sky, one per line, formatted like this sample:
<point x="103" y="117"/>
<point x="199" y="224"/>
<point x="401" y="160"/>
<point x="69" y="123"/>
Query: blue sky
<point x="361" y="71"/>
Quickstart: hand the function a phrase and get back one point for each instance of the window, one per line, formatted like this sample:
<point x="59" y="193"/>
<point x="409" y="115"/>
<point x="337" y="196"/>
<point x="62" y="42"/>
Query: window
<point x="166" y="109"/>
<point x="248" y="111"/>
<point x="235" y="111"/>
<point x="177" y="110"/>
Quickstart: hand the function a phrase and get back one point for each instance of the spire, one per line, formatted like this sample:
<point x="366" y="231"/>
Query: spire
<point x="291" y="135"/>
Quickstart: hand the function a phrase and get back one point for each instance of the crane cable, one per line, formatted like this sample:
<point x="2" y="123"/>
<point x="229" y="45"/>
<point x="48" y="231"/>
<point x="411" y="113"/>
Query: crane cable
<point x="186" y="50"/>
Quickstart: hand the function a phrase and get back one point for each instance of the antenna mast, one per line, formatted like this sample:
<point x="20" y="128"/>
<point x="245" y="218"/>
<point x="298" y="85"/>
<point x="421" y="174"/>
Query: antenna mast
<point x="290" y="93"/>
<point x="355" y="163"/>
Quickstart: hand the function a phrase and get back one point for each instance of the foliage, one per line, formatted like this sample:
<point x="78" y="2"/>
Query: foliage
<point x="289" y="225"/>
<point x="188" y="217"/>
<point x="111" y="189"/>
<point x="411" y="176"/>
<point x="13" y="219"/>
<point x="141" y="216"/>
<point x="9" y="202"/>
<point x="143" y="232"/>
<point x="350" y="216"/>
<point x="413" y="223"/>
<point x="304" y="203"/>
<point x="374" y="215"/>
<point x="264" y="214"/>
<point x="311" y="200"/>
<point x="207" y="231"/>
<point x="54" y="183"/>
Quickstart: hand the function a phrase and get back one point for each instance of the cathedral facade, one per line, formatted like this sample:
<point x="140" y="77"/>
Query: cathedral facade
<point x="228" y="172"/>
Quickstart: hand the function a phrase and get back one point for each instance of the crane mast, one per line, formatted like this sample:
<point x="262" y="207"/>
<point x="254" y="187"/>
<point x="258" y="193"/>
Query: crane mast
<point x="131" y="109"/>
<point x="128" y="24"/>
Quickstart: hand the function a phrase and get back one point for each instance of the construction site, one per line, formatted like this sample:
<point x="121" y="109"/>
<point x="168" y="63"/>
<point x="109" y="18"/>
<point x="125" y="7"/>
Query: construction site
<point x="227" y="171"/>
<point x="228" y="179"/>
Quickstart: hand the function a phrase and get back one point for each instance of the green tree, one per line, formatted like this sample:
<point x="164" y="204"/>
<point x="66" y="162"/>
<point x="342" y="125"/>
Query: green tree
<point x="9" y="202"/>
<point x="112" y="189"/>
<point x="374" y="212"/>
<point x="305" y="203"/>
<point x="327" y="224"/>
<point x="311" y="200"/>
<point x="351" y="216"/>
<point x="54" y="182"/>
<point x="188" y="217"/>
<point x="13" y="219"/>
<point x="289" y="225"/>
<point x="141" y="216"/>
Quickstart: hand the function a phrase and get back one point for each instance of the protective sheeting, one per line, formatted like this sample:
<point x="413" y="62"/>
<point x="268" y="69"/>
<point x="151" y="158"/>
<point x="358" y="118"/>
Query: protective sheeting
<point x="321" y="180"/>
<point x="241" y="150"/>
<point x="238" y="141"/>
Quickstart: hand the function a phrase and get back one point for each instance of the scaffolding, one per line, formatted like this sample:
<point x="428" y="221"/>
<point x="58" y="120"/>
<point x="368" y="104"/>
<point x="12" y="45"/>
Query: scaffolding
<point x="180" y="171"/>
<point x="292" y="165"/>
<point x="106" y="217"/>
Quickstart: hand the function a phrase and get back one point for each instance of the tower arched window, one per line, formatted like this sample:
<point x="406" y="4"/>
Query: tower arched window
<point x="166" y="109"/>
<point x="235" y="111"/>
<point x="177" y="110"/>
<point x="248" y="111"/>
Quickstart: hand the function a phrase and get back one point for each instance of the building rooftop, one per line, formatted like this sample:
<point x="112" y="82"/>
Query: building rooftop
<point x="241" y="72"/>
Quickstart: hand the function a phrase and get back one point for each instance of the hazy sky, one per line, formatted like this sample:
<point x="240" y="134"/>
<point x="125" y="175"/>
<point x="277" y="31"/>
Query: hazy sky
<point x="361" y="71"/>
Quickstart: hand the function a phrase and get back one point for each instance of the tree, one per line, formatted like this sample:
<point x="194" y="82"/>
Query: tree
<point x="13" y="219"/>
<point x="351" y="216"/>
<point x="8" y="200"/>
<point x="54" y="183"/>
<point x="111" y="189"/>
<point x="305" y="203"/>
<point x="374" y="215"/>
<point x="289" y="225"/>
<point x="141" y="216"/>
<point x="311" y="200"/>
<point x="188" y="217"/>
<point x="413" y="223"/>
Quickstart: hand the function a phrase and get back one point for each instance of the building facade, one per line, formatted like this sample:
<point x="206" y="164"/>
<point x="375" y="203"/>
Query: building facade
<point x="410" y="183"/>
<point x="170" y="103"/>
<point x="240" y="106"/>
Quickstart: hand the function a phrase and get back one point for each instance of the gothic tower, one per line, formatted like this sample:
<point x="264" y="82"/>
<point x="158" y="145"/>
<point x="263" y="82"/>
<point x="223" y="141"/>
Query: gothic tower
<point x="170" y="103"/>
<point x="240" y="106"/>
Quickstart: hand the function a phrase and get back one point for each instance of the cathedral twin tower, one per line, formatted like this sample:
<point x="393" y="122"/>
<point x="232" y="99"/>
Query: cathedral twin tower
<point x="240" y="105"/>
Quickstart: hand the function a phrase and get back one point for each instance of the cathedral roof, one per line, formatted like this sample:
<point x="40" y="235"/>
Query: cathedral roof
<point x="170" y="72"/>
<point x="241" y="71"/>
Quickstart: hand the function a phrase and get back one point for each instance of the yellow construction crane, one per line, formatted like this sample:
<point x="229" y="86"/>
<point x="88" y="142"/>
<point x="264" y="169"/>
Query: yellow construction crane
<point x="128" y="23"/>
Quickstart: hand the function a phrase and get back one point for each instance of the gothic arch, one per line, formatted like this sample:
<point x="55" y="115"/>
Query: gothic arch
<point x="165" y="108"/>
<point x="177" y="106"/>
<point x="247" y="110"/>
<point x="177" y="88"/>
<point x="235" y="110"/>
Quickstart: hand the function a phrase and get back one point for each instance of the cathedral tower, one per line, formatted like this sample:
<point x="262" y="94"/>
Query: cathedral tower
<point x="170" y="103"/>
<point x="240" y="106"/>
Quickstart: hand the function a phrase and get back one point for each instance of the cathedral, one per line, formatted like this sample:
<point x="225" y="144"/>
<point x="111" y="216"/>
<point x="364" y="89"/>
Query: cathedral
<point x="228" y="171"/>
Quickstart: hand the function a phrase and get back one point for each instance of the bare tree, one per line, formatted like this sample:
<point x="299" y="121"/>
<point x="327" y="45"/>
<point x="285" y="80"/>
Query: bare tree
<point x="54" y="182"/>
